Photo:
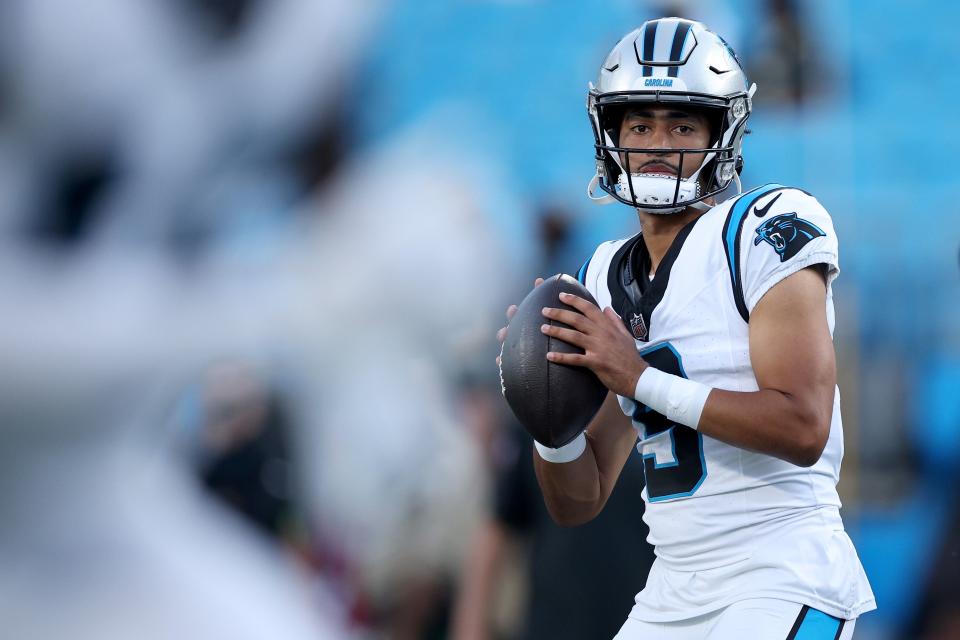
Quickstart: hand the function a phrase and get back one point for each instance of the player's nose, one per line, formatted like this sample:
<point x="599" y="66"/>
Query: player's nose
<point x="661" y="139"/>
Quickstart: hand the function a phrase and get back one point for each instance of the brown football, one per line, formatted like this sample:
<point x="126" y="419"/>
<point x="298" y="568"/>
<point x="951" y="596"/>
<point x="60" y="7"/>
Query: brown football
<point x="554" y="402"/>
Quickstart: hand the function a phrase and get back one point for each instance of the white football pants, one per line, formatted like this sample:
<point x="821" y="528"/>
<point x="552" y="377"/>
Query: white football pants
<point x="757" y="619"/>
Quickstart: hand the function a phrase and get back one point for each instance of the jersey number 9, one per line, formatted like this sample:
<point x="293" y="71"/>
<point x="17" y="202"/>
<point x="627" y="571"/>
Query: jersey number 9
<point x="682" y="476"/>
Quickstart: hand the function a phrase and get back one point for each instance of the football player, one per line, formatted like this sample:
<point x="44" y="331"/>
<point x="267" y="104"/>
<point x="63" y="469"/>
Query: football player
<point x="714" y="337"/>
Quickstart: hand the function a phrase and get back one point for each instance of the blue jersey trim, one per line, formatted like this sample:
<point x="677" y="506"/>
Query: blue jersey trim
<point x="680" y="36"/>
<point x="732" y="229"/>
<point x="582" y="273"/>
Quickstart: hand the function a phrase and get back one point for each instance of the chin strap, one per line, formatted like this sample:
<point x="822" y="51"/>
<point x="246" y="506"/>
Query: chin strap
<point x="591" y="188"/>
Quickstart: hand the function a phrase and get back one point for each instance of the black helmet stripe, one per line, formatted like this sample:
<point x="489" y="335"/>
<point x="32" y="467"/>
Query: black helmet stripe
<point x="676" y="50"/>
<point x="649" y="38"/>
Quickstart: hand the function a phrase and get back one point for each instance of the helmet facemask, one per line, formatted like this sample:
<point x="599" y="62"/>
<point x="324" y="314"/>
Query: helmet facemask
<point x="622" y="178"/>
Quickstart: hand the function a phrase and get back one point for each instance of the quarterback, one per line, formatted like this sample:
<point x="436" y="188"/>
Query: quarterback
<point x="714" y="337"/>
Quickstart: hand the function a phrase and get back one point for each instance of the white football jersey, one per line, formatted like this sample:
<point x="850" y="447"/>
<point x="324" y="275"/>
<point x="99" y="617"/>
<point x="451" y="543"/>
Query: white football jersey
<point x="728" y="523"/>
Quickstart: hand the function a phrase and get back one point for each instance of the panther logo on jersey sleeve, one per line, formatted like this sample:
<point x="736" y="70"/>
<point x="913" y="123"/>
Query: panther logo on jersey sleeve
<point x="787" y="234"/>
<point x="790" y="231"/>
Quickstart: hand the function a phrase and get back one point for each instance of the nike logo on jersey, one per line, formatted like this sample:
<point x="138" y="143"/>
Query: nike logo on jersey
<point x="762" y="211"/>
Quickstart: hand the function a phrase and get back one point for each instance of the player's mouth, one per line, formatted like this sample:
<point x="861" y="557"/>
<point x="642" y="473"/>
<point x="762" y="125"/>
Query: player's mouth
<point x="659" y="168"/>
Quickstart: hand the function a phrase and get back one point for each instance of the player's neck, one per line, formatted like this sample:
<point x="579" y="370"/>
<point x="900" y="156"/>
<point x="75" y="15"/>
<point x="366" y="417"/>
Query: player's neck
<point x="659" y="231"/>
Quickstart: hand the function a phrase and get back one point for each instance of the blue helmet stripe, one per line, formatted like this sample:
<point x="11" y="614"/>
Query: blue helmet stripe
<point x="582" y="273"/>
<point x="649" y="39"/>
<point x="676" y="49"/>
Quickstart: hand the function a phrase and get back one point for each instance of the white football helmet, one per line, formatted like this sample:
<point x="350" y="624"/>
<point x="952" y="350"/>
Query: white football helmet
<point x="674" y="62"/>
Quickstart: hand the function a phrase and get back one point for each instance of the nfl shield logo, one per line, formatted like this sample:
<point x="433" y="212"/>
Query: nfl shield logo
<point x="638" y="327"/>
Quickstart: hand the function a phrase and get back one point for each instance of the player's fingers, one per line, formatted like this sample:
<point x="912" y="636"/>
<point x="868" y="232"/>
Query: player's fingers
<point x="585" y="307"/>
<point x="573" y="318"/>
<point x="614" y="318"/>
<point x="537" y="282"/>
<point x="511" y="311"/>
<point x="498" y="361"/>
<point x="502" y="334"/>
<point x="570" y="336"/>
<point x="575" y="359"/>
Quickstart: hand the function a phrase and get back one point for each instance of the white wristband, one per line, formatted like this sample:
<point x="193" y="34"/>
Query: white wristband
<point x="679" y="399"/>
<point x="567" y="453"/>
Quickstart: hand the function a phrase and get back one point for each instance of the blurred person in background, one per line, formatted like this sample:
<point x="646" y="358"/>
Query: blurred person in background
<point x="556" y="235"/>
<point x="701" y="311"/>
<point x="783" y="56"/>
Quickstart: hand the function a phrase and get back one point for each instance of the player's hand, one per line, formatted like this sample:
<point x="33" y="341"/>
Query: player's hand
<point x="511" y="311"/>
<point x="610" y="350"/>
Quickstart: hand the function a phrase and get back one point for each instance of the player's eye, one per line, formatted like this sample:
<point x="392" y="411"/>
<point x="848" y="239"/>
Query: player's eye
<point x="683" y="129"/>
<point x="640" y="128"/>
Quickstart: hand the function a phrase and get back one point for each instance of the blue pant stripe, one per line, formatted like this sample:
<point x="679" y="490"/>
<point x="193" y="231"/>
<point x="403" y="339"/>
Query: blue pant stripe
<point x="817" y="625"/>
